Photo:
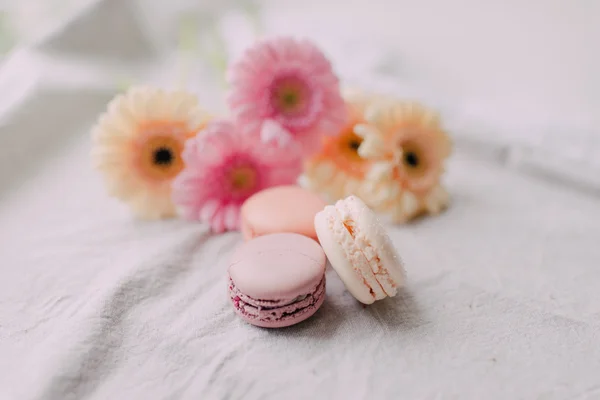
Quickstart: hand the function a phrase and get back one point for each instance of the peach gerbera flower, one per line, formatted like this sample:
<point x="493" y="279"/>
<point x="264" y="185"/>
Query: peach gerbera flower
<point x="223" y="168"/>
<point x="408" y="147"/>
<point x="291" y="84"/>
<point x="338" y="171"/>
<point x="138" y="143"/>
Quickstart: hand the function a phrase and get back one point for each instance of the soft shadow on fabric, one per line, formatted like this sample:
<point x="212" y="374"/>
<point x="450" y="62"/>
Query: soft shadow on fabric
<point x="400" y="313"/>
<point x="324" y="324"/>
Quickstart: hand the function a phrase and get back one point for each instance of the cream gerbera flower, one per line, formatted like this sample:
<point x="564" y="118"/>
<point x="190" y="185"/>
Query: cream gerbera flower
<point x="338" y="171"/>
<point x="138" y="144"/>
<point x="408" y="147"/>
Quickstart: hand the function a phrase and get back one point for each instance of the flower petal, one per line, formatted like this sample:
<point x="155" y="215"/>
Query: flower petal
<point x="272" y="131"/>
<point x="324" y="171"/>
<point x="437" y="200"/>
<point x="410" y="204"/>
<point x="380" y="171"/>
<point x="217" y="222"/>
<point x="208" y="210"/>
<point x="372" y="147"/>
<point x="232" y="217"/>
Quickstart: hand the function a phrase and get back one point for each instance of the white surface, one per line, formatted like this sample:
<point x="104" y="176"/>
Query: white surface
<point x="502" y="302"/>
<point x="503" y="298"/>
<point x="528" y="63"/>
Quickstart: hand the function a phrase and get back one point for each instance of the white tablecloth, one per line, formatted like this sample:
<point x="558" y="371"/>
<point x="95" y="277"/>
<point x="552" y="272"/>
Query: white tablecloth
<point x="502" y="302"/>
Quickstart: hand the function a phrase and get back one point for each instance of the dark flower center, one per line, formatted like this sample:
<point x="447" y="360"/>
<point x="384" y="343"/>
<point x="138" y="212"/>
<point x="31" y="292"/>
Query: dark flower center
<point x="354" y="144"/>
<point x="163" y="156"/>
<point x="411" y="159"/>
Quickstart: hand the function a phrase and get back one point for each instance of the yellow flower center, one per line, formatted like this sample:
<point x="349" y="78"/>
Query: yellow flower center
<point x="289" y="95"/>
<point x="242" y="179"/>
<point x="289" y="99"/>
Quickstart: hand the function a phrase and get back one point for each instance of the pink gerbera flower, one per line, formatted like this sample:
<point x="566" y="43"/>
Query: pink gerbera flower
<point x="223" y="167"/>
<point x="289" y="83"/>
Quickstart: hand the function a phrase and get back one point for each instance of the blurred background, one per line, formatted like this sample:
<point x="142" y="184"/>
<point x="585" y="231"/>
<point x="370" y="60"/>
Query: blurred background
<point x="516" y="80"/>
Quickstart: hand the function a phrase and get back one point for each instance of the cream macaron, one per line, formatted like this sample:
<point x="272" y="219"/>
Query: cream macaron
<point x="360" y="250"/>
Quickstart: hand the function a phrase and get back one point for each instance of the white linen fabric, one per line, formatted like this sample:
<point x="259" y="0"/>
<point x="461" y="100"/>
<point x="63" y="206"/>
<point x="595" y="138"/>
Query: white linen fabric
<point x="502" y="300"/>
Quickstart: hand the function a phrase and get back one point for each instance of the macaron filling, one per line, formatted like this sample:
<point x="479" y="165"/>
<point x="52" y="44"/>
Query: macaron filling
<point x="275" y="310"/>
<point x="363" y="245"/>
<point x="355" y="256"/>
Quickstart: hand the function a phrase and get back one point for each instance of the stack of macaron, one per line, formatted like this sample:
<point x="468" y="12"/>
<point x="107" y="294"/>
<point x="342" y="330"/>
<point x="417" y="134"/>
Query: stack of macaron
<point x="277" y="277"/>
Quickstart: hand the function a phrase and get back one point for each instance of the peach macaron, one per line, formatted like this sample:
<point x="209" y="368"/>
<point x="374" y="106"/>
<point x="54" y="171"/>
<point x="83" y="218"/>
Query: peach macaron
<point x="281" y="209"/>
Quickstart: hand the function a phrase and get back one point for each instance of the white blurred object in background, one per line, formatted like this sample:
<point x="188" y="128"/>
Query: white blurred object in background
<point x="517" y="75"/>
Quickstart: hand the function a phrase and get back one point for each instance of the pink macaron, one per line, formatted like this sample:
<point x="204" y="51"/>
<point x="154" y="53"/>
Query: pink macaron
<point x="281" y="209"/>
<point x="277" y="280"/>
<point x="360" y="250"/>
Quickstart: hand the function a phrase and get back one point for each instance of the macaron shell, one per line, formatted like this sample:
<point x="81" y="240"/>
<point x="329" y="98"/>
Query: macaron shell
<point x="374" y="233"/>
<point x="285" y="316"/>
<point x="281" y="209"/>
<point x="278" y="266"/>
<point x="337" y="255"/>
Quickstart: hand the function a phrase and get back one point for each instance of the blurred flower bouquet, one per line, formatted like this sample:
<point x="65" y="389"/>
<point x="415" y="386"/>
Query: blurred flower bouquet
<point x="289" y="122"/>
